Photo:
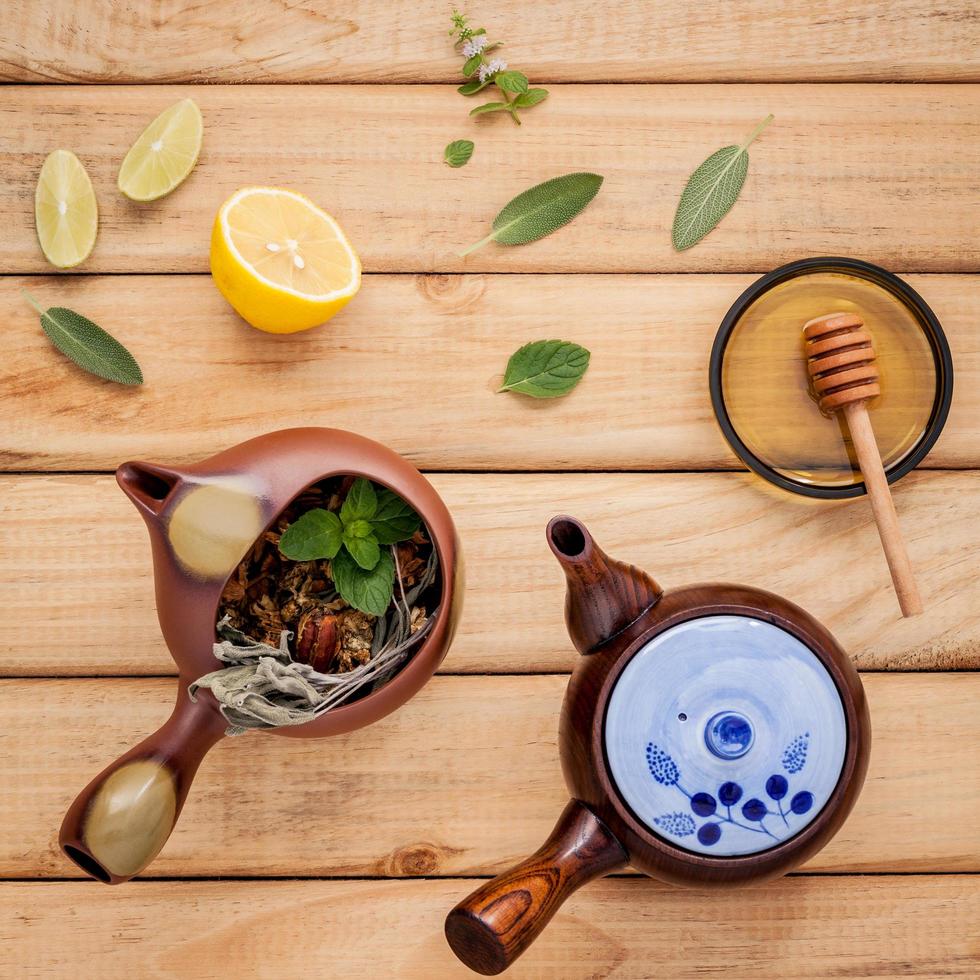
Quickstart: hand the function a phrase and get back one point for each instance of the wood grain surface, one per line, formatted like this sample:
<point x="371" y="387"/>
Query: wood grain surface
<point x="855" y="163"/>
<point x="875" y="172"/>
<point x="400" y="41"/>
<point x="428" y="792"/>
<point x="644" y="404"/>
<point x="77" y="591"/>
<point x="620" y="928"/>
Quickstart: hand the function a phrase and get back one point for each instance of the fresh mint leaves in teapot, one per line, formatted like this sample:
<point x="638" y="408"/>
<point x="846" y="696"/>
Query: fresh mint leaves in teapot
<point x="711" y="735"/>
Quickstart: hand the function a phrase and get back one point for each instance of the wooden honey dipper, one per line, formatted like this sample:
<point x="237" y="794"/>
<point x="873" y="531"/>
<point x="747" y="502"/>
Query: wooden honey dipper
<point x="841" y="364"/>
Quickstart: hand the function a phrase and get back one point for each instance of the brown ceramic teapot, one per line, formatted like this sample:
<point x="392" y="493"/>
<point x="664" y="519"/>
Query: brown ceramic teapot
<point x="202" y="520"/>
<point x="710" y="735"/>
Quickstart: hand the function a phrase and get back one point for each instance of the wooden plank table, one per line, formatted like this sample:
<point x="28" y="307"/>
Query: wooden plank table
<point x="341" y="858"/>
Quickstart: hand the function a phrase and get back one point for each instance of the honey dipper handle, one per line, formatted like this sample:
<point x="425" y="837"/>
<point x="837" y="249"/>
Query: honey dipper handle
<point x="883" y="507"/>
<point x="493" y="926"/>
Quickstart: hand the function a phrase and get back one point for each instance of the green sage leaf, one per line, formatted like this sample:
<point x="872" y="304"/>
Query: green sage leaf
<point x="545" y="368"/>
<point x="87" y="344"/>
<point x="369" y="591"/>
<point x="315" y="534"/>
<point x="471" y="65"/>
<point x="364" y="550"/>
<point x="511" y="81"/>
<point x="394" y="520"/>
<point x="458" y="153"/>
<point x="541" y="210"/>
<point x="360" y="503"/>
<point x="712" y="190"/>
<point x="471" y="88"/>
<point x="490" y="107"/>
<point x="531" y="97"/>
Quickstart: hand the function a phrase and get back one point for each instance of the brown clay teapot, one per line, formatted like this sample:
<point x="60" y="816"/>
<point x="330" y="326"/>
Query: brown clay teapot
<point x="202" y="520"/>
<point x="710" y="735"/>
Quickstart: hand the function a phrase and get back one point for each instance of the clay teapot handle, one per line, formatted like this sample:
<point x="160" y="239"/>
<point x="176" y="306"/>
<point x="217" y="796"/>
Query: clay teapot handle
<point x="121" y="820"/>
<point x="490" y="929"/>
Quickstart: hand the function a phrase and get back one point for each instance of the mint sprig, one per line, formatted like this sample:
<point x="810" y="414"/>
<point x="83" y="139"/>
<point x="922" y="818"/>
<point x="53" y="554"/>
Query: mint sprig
<point x="357" y="542"/>
<point x="475" y="47"/>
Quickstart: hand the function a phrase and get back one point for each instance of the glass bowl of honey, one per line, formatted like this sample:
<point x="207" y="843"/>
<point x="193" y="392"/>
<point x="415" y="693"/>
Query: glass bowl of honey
<point x="761" y="391"/>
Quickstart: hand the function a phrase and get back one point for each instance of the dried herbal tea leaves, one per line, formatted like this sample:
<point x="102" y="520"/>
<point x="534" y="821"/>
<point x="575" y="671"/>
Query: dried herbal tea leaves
<point x="293" y="645"/>
<point x="712" y="190"/>
<point x="87" y="344"/>
<point x="546" y="368"/>
<point x="458" y="153"/>
<point x="542" y="209"/>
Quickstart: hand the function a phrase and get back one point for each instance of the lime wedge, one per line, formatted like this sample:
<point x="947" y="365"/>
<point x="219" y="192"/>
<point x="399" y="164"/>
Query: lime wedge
<point x="65" y="213"/>
<point x="164" y="154"/>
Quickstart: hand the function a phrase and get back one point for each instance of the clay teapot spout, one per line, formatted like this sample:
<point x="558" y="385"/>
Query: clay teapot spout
<point x="147" y="485"/>
<point x="604" y="595"/>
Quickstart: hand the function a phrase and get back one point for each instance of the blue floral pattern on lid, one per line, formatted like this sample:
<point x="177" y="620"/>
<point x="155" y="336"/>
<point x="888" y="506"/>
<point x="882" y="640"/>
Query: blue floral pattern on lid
<point x="754" y="812"/>
<point x="725" y="735"/>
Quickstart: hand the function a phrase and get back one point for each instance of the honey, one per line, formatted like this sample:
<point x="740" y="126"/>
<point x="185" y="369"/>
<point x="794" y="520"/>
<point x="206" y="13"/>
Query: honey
<point x="767" y="394"/>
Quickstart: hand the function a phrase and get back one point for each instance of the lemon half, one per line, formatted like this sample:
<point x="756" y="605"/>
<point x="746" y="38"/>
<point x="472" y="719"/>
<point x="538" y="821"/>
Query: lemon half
<point x="164" y="154"/>
<point x="65" y="212"/>
<point x="282" y="262"/>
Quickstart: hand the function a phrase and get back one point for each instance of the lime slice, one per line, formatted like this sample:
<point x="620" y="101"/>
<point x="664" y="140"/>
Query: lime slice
<point x="164" y="154"/>
<point x="65" y="212"/>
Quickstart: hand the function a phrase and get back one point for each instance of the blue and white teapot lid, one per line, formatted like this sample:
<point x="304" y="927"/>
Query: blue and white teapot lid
<point x="725" y="735"/>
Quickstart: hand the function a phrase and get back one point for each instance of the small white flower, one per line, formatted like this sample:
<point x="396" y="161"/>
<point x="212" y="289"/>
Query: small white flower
<point x="474" y="45"/>
<point x="488" y="70"/>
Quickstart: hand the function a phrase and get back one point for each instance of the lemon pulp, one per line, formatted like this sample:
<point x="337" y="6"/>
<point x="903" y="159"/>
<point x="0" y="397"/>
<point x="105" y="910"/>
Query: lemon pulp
<point x="164" y="154"/>
<point x="65" y="212"/>
<point x="283" y="263"/>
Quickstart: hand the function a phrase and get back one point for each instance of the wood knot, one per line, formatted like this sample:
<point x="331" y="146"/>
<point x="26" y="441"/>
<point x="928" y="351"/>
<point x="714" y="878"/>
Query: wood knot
<point x="840" y="360"/>
<point x="414" y="860"/>
<point x="452" y="294"/>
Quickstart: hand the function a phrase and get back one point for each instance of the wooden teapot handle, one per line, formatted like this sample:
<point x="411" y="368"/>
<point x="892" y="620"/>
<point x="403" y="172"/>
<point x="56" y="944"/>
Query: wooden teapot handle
<point x="121" y="820"/>
<point x="490" y="929"/>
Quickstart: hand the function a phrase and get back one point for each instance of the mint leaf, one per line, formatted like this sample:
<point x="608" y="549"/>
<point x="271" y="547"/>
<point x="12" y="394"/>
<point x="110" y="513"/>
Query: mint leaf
<point x="471" y="88"/>
<point x="471" y="65"/>
<point x="458" y="152"/>
<point x="545" y="368"/>
<point x="712" y="190"/>
<point x="364" y="550"/>
<point x="394" y="519"/>
<point x="542" y="209"/>
<point x="490" y="107"/>
<point x="511" y="81"/>
<point x="369" y="591"/>
<point x="87" y="344"/>
<point x="315" y="534"/>
<point x="360" y="503"/>
<point x="531" y="97"/>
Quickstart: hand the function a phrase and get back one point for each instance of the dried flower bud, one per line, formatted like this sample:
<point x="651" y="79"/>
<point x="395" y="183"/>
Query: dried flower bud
<point x="317" y="640"/>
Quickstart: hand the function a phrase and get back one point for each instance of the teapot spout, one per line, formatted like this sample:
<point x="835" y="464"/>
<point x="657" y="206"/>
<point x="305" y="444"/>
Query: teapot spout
<point x="147" y="485"/>
<point x="604" y="595"/>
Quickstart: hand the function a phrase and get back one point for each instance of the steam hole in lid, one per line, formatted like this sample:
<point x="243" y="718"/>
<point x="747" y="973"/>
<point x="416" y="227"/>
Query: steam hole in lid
<point x="87" y="863"/>
<point x="682" y="717"/>
<point x="144" y="482"/>
<point x="567" y="538"/>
